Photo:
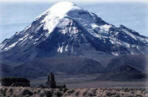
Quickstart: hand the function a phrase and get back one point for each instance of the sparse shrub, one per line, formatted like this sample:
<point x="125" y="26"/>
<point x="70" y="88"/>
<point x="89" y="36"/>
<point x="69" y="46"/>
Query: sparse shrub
<point x="10" y="91"/>
<point x="70" y="91"/>
<point x="84" y="93"/>
<point x="48" y="93"/>
<point x="27" y="92"/>
<point x="138" y="95"/>
<point x="126" y="90"/>
<point x="117" y="95"/>
<point x="65" y="89"/>
<point x="3" y="91"/>
<point x="59" y="94"/>
<point x="91" y="94"/>
<point x="77" y="93"/>
<point x="110" y="94"/>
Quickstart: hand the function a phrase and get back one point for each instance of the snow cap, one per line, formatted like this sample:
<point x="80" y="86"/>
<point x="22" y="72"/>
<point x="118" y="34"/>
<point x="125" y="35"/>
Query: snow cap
<point x="60" y="9"/>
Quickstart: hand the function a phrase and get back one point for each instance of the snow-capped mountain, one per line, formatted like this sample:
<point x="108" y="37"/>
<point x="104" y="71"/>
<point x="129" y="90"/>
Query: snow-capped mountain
<point x="66" y="29"/>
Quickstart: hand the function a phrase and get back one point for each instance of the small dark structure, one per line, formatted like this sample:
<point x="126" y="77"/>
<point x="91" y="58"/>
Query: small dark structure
<point x="51" y="83"/>
<point x="15" y="82"/>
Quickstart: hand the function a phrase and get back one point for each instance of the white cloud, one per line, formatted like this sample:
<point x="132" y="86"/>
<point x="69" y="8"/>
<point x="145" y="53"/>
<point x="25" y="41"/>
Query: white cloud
<point x="74" y="0"/>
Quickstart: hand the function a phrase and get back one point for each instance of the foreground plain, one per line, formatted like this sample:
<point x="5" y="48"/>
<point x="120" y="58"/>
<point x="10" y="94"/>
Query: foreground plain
<point x="79" y="92"/>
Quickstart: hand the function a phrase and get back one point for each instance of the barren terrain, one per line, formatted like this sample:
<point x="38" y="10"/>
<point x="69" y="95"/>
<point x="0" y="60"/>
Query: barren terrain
<point x="83" y="92"/>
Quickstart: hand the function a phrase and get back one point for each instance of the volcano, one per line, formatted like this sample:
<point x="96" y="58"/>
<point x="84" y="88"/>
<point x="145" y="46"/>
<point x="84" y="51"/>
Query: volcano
<point x="68" y="36"/>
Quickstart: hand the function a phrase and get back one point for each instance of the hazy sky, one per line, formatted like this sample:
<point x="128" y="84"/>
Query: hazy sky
<point x="15" y="16"/>
<point x="74" y="0"/>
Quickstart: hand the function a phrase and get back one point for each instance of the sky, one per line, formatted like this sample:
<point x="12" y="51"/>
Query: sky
<point x="74" y="0"/>
<point x="15" y="15"/>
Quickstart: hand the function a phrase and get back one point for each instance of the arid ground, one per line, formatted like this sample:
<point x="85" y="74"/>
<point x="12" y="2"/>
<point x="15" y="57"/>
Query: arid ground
<point x="83" y="92"/>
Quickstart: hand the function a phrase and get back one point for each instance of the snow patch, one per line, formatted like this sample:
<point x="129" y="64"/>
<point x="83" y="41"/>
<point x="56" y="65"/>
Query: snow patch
<point x="130" y="34"/>
<point x="2" y="46"/>
<point x="67" y="26"/>
<point x="94" y="26"/>
<point x="10" y="46"/>
<point x="55" y="14"/>
<point x="115" y="53"/>
<point x="23" y="38"/>
<point x="66" y="48"/>
<point x="60" y="49"/>
<point x="105" y="27"/>
<point x="75" y="30"/>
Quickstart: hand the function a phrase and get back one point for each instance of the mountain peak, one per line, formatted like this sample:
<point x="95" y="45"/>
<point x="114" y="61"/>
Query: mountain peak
<point x="71" y="37"/>
<point x="60" y="9"/>
<point x="55" y="13"/>
<point x="64" y="5"/>
<point x="69" y="29"/>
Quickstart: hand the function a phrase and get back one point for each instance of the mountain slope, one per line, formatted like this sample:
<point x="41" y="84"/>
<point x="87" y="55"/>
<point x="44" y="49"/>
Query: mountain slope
<point x="66" y="30"/>
<point x="70" y="30"/>
<point x="64" y="65"/>
<point x="125" y="68"/>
